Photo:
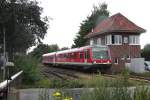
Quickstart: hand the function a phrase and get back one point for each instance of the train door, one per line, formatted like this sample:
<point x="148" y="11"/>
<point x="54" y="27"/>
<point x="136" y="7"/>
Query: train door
<point x="86" y="56"/>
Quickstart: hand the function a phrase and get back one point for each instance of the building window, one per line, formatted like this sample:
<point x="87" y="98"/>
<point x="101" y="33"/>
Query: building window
<point x="134" y="39"/>
<point x="108" y="39"/>
<point x="117" y="39"/>
<point x="116" y="60"/>
<point x="99" y="42"/>
<point x="113" y="39"/>
<point x="95" y="41"/>
<point x="125" y="40"/>
<point x="91" y="42"/>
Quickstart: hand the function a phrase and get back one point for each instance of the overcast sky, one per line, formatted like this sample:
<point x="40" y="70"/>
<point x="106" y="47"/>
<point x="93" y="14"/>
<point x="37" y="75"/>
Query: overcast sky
<point x="68" y="14"/>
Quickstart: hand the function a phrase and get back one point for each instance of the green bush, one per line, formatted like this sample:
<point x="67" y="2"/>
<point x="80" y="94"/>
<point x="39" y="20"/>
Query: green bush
<point x="44" y="83"/>
<point x="29" y="65"/>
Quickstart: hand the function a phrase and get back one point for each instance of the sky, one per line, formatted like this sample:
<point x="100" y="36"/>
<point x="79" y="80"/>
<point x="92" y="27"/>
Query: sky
<point x="68" y="14"/>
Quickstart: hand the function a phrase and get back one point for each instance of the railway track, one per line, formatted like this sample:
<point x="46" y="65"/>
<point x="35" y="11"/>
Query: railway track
<point x="132" y="77"/>
<point x="66" y="74"/>
<point x="55" y="74"/>
<point x="63" y="74"/>
<point x="139" y="78"/>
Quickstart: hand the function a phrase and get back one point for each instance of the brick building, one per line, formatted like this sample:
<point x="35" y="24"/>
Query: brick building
<point x="121" y="36"/>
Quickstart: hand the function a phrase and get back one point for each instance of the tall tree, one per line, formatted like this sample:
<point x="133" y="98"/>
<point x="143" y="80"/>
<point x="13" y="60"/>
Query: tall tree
<point x="22" y="24"/>
<point x="44" y="48"/>
<point x="146" y="52"/>
<point x="98" y="14"/>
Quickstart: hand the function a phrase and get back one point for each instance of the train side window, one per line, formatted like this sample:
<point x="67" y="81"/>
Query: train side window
<point x="64" y="55"/>
<point x="81" y="55"/>
<point x="67" y="55"/>
<point x="87" y="54"/>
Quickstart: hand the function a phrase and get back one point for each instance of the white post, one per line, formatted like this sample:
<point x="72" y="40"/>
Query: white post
<point x="6" y="82"/>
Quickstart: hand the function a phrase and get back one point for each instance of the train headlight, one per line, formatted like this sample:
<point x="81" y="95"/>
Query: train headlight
<point x="108" y="61"/>
<point x="94" y="62"/>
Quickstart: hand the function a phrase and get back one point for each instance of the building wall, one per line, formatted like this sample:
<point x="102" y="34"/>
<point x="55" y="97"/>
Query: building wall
<point x="121" y="53"/>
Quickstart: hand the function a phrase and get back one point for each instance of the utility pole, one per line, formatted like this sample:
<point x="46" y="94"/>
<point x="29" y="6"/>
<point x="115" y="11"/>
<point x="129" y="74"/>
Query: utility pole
<point x="4" y="54"/>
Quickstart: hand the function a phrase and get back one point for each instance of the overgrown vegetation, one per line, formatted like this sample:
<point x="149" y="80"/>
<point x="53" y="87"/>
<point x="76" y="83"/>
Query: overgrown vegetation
<point x="104" y="92"/>
<point x="104" y="89"/>
<point x="146" y="52"/>
<point x="44" y="94"/>
<point x="117" y="89"/>
<point x="99" y="80"/>
<point x="29" y="65"/>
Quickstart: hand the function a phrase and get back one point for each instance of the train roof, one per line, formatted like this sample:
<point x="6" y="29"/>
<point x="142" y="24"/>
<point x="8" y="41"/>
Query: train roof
<point x="72" y="50"/>
<point x="48" y="54"/>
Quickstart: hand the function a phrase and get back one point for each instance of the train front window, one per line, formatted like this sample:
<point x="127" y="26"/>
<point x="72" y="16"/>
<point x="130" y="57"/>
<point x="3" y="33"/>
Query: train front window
<point x="100" y="53"/>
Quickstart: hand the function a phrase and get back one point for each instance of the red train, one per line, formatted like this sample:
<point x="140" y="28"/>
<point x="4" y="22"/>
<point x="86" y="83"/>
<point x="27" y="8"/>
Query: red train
<point x="84" y="57"/>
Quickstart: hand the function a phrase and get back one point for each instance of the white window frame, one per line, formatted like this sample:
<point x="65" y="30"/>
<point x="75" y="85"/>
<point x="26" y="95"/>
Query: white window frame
<point x="108" y="39"/>
<point x="95" y="41"/>
<point x="117" y="40"/>
<point x="91" y="41"/>
<point x="134" y="40"/>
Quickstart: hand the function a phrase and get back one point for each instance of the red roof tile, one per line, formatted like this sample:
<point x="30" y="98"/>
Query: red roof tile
<point x="115" y="23"/>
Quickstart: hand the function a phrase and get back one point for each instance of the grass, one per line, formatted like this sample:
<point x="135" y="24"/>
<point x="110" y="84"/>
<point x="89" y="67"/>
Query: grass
<point x="105" y="89"/>
<point x="117" y="89"/>
<point x="99" y="80"/>
<point x="95" y="81"/>
<point x="104" y="92"/>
